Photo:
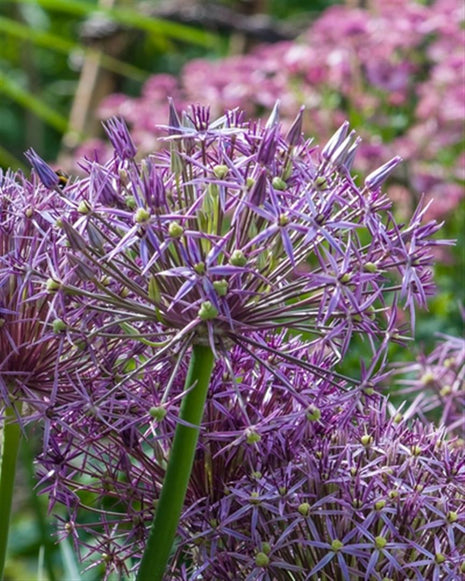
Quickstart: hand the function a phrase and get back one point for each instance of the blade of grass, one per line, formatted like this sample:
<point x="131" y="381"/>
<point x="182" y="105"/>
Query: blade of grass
<point x="134" y="18"/>
<point x="62" y="45"/>
<point x="9" y="160"/>
<point x="29" y="101"/>
<point x="69" y="562"/>
<point x="46" y="542"/>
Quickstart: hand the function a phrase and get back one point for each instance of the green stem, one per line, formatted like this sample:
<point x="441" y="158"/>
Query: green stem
<point x="46" y="540"/>
<point x="11" y="438"/>
<point x="169" y="507"/>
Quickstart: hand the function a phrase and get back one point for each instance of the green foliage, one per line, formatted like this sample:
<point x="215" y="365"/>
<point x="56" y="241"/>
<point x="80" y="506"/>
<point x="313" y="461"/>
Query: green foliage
<point x="40" y="60"/>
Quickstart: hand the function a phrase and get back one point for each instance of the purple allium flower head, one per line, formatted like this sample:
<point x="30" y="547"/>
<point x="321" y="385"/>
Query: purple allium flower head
<point x="34" y="343"/>
<point x="438" y="381"/>
<point x="232" y="231"/>
<point x="236" y="237"/>
<point x="47" y="343"/>
<point x="313" y="481"/>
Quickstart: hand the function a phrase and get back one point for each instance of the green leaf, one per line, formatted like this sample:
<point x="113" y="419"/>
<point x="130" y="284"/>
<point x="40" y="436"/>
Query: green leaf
<point x="69" y="561"/>
<point x="62" y="45"/>
<point x="134" y="18"/>
<point x="16" y="93"/>
<point x="9" y="160"/>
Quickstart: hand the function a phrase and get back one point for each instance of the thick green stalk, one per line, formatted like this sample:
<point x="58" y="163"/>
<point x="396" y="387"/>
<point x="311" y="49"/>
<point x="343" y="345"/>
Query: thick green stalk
<point x="11" y="438"/>
<point x="169" y="507"/>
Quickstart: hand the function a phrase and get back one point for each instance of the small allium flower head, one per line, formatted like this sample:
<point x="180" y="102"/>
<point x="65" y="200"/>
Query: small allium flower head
<point x="47" y="176"/>
<point x="30" y="346"/>
<point x="120" y="138"/>
<point x="234" y="230"/>
<point x="438" y="381"/>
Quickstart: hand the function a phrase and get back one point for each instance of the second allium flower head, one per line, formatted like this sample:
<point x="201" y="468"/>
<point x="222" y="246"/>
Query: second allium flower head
<point x="235" y="229"/>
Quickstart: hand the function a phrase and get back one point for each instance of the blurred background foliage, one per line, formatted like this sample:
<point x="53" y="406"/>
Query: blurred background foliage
<point x="58" y="60"/>
<point x="45" y="45"/>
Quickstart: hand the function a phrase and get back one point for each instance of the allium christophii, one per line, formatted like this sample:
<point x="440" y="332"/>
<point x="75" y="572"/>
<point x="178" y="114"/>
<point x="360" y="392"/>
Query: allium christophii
<point x="32" y="330"/>
<point x="47" y="350"/>
<point x="263" y="247"/>
<point x="235" y="229"/>
<point x="285" y="486"/>
<point x="438" y="380"/>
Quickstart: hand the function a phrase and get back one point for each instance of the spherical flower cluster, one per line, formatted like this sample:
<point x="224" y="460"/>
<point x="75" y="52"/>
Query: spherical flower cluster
<point x="236" y="229"/>
<point x="284" y="485"/>
<point x="262" y="246"/>
<point x="438" y="380"/>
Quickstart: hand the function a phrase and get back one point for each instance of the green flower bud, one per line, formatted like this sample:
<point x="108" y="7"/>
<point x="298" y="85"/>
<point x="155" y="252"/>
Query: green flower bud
<point x="221" y="171"/>
<point x="370" y="267"/>
<point x="452" y="516"/>
<point x="199" y="268"/>
<point x="175" y="230"/>
<point x="313" y="413"/>
<point x="252" y="437"/>
<point x="207" y="311"/>
<point x="336" y="545"/>
<point x="345" y="278"/>
<point x="238" y="258"/>
<point x="130" y="202"/>
<point x="321" y="183"/>
<point x="380" y="542"/>
<point x="366" y="440"/>
<point x="221" y="287"/>
<point x="141" y="216"/>
<point x="427" y="378"/>
<point x="304" y="508"/>
<point x="262" y="559"/>
<point x="283" y="220"/>
<point x="266" y="548"/>
<point x="84" y="207"/>
<point x="158" y="413"/>
<point x="446" y="390"/>
<point x="279" y="184"/>
<point x="52" y="285"/>
<point x="59" y="326"/>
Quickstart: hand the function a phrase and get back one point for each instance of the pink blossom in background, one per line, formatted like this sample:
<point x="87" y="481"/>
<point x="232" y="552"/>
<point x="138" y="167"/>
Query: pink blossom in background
<point x="395" y="71"/>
